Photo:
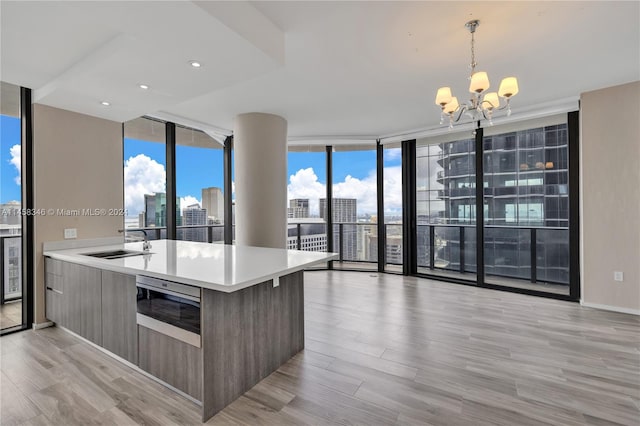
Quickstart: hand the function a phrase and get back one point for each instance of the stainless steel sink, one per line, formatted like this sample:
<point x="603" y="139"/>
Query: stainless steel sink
<point x="115" y="254"/>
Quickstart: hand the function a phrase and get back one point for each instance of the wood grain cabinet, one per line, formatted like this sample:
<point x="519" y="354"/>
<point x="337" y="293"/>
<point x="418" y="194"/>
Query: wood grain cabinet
<point x="54" y="298"/>
<point x="74" y="298"/>
<point x="172" y="361"/>
<point x="83" y="300"/>
<point x="119" y="330"/>
<point x="96" y="304"/>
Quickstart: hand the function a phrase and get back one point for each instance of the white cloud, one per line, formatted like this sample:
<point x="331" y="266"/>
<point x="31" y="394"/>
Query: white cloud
<point x="392" y="154"/>
<point x="187" y="201"/>
<point x="305" y="184"/>
<point x="393" y="189"/>
<point x="15" y="152"/>
<point x="142" y="175"/>
<point x="363" y="190"/>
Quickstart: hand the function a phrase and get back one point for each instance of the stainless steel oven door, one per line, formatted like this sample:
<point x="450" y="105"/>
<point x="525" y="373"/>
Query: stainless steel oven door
<point x="169" y="312"/>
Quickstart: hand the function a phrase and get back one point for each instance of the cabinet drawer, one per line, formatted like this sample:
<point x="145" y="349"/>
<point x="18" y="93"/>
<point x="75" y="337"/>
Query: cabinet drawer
<point x="53" y="282"/>
<point x="171" y="360"/>
<point x="52" y="266"/>
<point x="54" y="308"/>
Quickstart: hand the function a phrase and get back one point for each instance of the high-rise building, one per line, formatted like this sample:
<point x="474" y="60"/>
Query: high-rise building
<point x="213" y="203"/>
<point x="345" y="238"/>
<point x="11" y="219"/>
<point x="12" y="261"/>
<point x="298" y="208"/>
<point x="393" y="252"/>
<point x="344" y="209"/>
<point x="526" y="184"/>
<point x="149" y="210"/>
<point x="156" y="210"/>
<point x="312" y="231"/>
<point x="195" y="215"/>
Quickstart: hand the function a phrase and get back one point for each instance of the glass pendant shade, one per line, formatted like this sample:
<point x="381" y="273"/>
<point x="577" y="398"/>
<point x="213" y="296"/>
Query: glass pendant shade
<point x="443" y="96"/>
<point x="480" y="104"/>
<point x="491" y="101"/>
<point x="452" y="106"/>
<point x="479" y="82"/>
<point x="508" y="87"/>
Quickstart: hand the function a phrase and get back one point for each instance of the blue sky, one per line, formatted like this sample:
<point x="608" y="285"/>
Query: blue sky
<point x="198" y="168"/>
<point x="9" y="136"/>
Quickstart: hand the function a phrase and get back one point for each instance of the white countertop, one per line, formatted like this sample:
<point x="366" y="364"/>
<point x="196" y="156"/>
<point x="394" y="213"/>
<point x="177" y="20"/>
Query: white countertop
<point x="226" y="268"/>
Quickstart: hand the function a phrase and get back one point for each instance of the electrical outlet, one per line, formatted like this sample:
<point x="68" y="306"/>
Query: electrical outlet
<point x="618" y="276"/>
<point x="70" y="233"/>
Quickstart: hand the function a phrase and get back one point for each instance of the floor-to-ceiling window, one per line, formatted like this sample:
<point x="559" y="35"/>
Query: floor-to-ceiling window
<point x="199" y="186"/>
<point x="526" y="191"/>
<point x="392" y="202"/>
<point x="354" y="206"/>
<point x="11" y="280"/>
<point x="306" y="197"/>
<point x="525" y="238"/>
<point x="145" y="176"/>
<point x="445" y="206"/>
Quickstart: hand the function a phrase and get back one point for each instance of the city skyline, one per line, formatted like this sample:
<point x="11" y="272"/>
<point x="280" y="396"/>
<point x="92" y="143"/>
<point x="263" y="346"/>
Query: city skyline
<point x="353" y="171"/>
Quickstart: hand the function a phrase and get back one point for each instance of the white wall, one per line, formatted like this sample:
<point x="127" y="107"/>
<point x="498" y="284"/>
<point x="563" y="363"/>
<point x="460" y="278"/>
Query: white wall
<point x="77" y="165"/>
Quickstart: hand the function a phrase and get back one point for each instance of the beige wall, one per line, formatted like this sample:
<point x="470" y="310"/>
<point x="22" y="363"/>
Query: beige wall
<point x="610" y="196"/>
<point x="77" y="165"/>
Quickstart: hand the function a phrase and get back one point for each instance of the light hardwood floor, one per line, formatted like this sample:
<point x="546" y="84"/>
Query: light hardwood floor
<point x="380" y="349"/>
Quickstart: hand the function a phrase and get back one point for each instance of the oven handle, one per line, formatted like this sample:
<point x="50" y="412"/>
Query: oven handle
<point x="172" y="293"/>
<point x="169" y="330"/>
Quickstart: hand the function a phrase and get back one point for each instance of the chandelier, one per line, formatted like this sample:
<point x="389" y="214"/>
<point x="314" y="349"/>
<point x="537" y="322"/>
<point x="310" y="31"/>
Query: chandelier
<point x="481" y="104"/>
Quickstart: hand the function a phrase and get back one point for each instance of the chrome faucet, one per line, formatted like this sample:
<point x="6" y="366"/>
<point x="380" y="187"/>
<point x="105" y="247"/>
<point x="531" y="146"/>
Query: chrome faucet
<point x="146" y="245"/>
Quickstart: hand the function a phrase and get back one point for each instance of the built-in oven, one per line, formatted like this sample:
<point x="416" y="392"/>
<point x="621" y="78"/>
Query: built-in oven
<point x="169" y="308"/>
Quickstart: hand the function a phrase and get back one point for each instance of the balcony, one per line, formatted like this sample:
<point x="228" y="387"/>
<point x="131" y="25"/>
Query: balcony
<point x="535" y="258"/>
<point x="11" y="281"/>
<point x="526" y="257"/>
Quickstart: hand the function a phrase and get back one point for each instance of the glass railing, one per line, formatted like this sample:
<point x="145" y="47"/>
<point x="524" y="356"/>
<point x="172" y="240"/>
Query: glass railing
<point x="11" y="274"/>
<point x="198" y="233"/>
<point x="530" y="254"/>
<point x="356" y="241"/>
<point x="392" y="259"/>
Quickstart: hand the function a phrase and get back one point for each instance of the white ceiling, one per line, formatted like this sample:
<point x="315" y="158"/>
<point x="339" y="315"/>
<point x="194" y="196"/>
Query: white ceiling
<point x="330" y="68"/>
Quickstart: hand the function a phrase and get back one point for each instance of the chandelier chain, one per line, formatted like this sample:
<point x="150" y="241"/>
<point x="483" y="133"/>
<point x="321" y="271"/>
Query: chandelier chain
<point x="473" y="53"/>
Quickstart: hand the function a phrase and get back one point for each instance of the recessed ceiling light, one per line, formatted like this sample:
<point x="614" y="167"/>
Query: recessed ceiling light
<point x="143" y="86"/>
<point x="195" y="64"/>
<point x="105" y="103"/>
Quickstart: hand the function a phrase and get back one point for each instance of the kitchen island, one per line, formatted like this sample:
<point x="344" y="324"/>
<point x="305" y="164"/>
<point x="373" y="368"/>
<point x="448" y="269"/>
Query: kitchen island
<point x="208" y="320"/>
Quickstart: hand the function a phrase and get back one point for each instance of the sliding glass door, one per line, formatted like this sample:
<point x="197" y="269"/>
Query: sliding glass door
<point x="446" y="207"/>
<point x="527" y="177"/>
<point x="11" y="279"/>
<point x="526" y="190"/>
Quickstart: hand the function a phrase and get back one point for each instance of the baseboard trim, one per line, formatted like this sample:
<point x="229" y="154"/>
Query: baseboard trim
<point x="610" y="308"/>
<point x="46" y="324"/>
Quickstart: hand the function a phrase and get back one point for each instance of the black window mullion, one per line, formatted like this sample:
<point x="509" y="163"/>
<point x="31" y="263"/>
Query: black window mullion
<point x="479" y="153"/>
<point x="28" y="202"/>
<point x="171" y="219"/>
<point x="409" y="255"/>
<point x="380" y="207"/>
<point x="329" y="199"/>
<point x="573" y="135"/>
<point x="228" y="206"/>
